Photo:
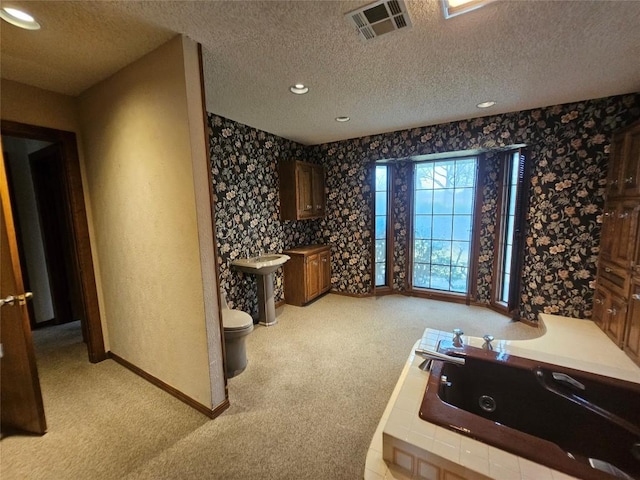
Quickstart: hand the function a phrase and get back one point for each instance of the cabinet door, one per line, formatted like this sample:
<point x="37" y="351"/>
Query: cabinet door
<point x="304" y="178"/>
<point x="632" y="334"/>
<point x="631" y="167"/>
<point x="615" y="319"/>
<point x="317" y="187"/>
<point x="616" y="167"/>
<point x="600" y="304"/>
<point x="625" y="235"/>
<point x="313" y="276"/>
<point x="608" y="235"/>
<point x="325" y="271"/>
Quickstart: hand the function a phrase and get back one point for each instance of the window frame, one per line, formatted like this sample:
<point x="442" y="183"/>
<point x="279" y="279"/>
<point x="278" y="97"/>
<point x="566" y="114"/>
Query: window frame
<point x="427" y="292"/>
<point x="388" y="286"/>
<point x="510" y="308"/>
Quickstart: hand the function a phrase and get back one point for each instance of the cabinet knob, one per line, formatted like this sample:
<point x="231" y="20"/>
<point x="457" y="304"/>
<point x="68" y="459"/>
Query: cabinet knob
<point x="614" y="183"/>
<point x="636" y="296"/>
<point x="623" y="215"/>
<point x="309" y="206"/>
<point x="324" y="260"/>
<point x="598" y="301"/>
<point x="608" y="270"/>
<point x="612" y="311"/>
<point x="628" y="180"/>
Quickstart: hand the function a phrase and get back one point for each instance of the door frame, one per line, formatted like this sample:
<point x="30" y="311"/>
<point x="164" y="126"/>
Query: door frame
<point x="77" y="217"/>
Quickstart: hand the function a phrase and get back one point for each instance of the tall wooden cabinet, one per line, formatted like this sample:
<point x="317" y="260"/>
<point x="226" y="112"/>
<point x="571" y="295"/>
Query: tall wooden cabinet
<point x="616" y="304"/>
<point x="307" y="274"/>
<point x="302" y="190"/>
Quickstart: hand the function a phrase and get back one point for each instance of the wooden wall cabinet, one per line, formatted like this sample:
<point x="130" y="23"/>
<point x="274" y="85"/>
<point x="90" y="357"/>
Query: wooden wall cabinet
<point x="307" y="274"/>
<point x="616" y="303"/>
<point x="302" y="190"/>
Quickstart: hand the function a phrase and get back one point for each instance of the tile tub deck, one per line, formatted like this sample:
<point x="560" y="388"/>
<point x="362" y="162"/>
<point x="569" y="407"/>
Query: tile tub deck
<point x="415" y="449"/>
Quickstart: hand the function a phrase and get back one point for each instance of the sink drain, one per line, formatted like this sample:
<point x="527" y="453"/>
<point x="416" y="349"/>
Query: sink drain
<point x="487" y="403"/>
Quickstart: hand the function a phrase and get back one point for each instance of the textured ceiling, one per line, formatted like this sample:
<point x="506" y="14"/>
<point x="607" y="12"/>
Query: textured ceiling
<point x="522" y="54"/>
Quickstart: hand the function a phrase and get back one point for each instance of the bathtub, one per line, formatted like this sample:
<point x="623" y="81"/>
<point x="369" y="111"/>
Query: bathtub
<point x="552" y="415"/>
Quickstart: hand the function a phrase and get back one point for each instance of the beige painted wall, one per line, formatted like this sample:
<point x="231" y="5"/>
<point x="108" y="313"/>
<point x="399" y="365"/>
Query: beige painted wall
<point x="34" y="106"/>
<point x="140" y="176"/>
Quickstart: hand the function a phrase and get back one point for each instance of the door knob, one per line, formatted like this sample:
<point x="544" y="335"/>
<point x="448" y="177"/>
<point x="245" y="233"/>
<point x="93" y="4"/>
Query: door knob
<point x="7" y="300"/>
<point x="10" y="300"/>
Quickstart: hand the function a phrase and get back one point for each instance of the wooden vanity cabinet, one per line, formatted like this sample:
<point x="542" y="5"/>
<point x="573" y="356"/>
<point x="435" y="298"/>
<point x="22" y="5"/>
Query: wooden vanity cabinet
<point x="616" y="303"/>
<point x="307" y="274"/>
<point x="302" y="190"/>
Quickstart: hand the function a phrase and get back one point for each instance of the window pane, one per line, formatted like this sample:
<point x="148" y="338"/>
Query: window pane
<point x="460" y="253"/>
<point x="505" y="288"/>
<point x="381" y="178"/>
<point x="441" y="253"/>
<point x="422" y="251"/>
<point x="462" y="227"/>
<point x="442" y="223"/>
<point x="442" y="227"/>
<point x="443" y="175"/>
<point x="459" y="279"/>
<point x="381" y="251"/>
<point x="463" y="203"/>
<point x="440" y="277"/>
<point x="381" y="221"/>
<point x="424" y="201"/>
<point x="381" y="274"/>
<point x="443" y="201"/>
<point x="422" y="226"/>
<point x="381" y="226"/>
<point x="424" y="176"/>
<point x="466" y="173"/>
<point x="421" y="274"/>
<point x="507" y="260"/>
<point x="381" y="203"/>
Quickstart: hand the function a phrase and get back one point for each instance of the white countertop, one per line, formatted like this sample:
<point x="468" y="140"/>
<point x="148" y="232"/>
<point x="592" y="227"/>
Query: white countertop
<point x="569" y="342"/>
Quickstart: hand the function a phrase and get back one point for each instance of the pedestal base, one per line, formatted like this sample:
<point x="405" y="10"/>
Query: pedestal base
<point x="266" y="302"/>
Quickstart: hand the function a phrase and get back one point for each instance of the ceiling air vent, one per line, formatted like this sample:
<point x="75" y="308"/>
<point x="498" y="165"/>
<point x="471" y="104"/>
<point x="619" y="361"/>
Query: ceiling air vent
<point x="379" y="18"/>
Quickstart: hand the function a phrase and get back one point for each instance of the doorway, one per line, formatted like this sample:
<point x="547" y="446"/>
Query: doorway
<point x="59" y="267"/>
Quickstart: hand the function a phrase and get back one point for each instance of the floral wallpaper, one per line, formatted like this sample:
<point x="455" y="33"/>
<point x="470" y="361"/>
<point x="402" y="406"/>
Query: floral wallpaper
<point x="569" y="150"/>
<point x="247" y="205"/>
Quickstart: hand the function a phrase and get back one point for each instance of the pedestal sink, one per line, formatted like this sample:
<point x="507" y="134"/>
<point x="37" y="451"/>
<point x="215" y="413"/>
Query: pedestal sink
<point x="263" y="267"/>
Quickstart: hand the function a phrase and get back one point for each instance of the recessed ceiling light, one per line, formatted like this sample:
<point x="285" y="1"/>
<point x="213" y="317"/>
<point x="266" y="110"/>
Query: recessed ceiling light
<point x="299" y="89"/>
<point x="19" y="18"/>
<point x="343" y="119"/>
<point x="486" y="104"/>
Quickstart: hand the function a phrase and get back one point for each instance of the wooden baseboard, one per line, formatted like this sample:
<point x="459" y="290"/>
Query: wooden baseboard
<point x="171" y="390"/>
<point x="354" y="295"/>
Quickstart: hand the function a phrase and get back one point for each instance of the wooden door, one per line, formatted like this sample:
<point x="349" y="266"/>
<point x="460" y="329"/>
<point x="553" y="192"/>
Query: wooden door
<point x="616" y="315"/>
<point x="625" y="234"/>
<point x="631" y="169"/>
<point x="20" y="396"/>
<point x="600" y="300"/>
<point x="608" y="232"/>
<point x="632" y="334"/>
<point x="305" y="194"/>
<point x="313" y="276"/>
<point x="325" y="273"/>
<point x="615" y="169"/>
<point x="317" y="188"/>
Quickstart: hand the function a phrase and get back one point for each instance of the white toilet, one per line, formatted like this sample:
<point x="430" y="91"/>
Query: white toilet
<point x="237" y="325"/>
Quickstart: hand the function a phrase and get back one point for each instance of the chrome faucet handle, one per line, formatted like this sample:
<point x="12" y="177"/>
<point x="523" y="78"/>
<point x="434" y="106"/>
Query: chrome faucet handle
<point x="457" y="338"/>
<point x="487" y="342"/>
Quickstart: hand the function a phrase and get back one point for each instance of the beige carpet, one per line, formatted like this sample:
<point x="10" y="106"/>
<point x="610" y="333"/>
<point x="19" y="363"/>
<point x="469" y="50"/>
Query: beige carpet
<point x="306" y="407"/>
